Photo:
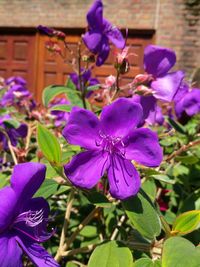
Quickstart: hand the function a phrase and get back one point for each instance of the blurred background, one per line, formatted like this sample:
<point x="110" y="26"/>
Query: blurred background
<point x="171" y="23"/>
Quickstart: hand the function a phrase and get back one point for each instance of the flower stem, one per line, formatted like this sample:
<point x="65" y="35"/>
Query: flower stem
<point x="58" y="256"/>
<point x="182" y="149"/>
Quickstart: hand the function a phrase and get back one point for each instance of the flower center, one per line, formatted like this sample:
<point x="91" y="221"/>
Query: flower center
<point x="111" y="144"/>
<point x="31" y="218"/>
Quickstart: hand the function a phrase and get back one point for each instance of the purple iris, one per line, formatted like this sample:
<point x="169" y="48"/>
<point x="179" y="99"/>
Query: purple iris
<point x="100" y="33"/>
<point x="23" y="219"/>
<point x="13" y="133"/>
<point x="86" y="80"/>
<point x="157" y="62"/>
<point x="111" y="143"/>
<point x="152" y="113"/>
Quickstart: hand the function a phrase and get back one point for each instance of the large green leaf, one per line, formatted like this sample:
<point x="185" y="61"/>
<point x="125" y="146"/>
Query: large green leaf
<point x="143" y="215"/>
<point x="186" y="222"/>
<point x="49" y="145"/>
<point x="111" y="254"/>
<point x="52" y="91"/>
<point x="179" y="252"/>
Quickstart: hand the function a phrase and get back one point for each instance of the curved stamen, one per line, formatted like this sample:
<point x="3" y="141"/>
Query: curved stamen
<point x="31" y="218"/>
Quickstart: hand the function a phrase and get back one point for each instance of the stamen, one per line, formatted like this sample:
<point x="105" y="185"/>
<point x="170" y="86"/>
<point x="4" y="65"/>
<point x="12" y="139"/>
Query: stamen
<point x="31" y="218"/>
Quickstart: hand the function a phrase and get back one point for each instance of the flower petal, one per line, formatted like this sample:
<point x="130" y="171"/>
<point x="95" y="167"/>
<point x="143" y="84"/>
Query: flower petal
<point x="8" y="207"/>
<point x="37" y="254"/>
<point x="27" y="178"/>
<point x="114" y="34"/>
<point x="142" y="146"/>
<point x="10" y="252"/>
<point x="95" y="15"/>
<point x="124" y="180"/>
<point x="92" y="40"/>
<point x="82" y="128"/>
<point x="165" y="88"/>
<point x="103" y="51"/>
<point x="158" y="60"/>
<point x="119" y="118"/>
<point x="86" y="168"/>
<point x="190" y="103"/>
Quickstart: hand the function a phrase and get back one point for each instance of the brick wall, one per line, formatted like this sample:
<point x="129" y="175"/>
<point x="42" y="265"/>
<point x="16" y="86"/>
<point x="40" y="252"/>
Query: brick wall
<point x="177" y="22"/>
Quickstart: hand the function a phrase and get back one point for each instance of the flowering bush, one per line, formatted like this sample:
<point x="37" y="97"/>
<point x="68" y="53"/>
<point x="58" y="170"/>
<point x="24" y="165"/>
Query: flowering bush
<point x="122" y="162"/>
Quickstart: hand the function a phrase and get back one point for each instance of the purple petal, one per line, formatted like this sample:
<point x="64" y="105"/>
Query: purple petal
<point x="142" y="146"/>
<point x="119" y="118"/>
<point x="37" y="254"/>
<point x="82" y="128"/>
<point x="148" y="104"/>
<point x="190" y="103"/>
<point x="10" y="252"/>
<point x="182" y="90"/>
<point x="21" y="131"/>
<point x="86" y="168"/>
<point x="158" y="60"/>
<point x="114" y="34"/>
<point x="27" y="178"/>
<point x="9" y="207"/>
<point x="124" y="180"/>
<point x="95" y="15"/>
<point x="92" y="40"/>
<point x="74" y="78"/>
<point x="166" y="87"/>
<point x="103" y="52"/>
<point x="155" y="116"/>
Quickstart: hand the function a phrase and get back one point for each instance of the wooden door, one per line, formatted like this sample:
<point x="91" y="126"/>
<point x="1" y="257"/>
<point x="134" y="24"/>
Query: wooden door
<point x="17" y="57"/>
<point x="52" y="69"/>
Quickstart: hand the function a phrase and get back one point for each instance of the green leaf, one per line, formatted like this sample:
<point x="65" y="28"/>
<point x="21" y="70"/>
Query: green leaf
<point x="47" y="189"/>
<point x="98" y="199"/>
<point x="176" y="125"/>
<point x="179" y="252"/>
<point x="149" y="188"/>
<point x="52" y="91"/>
<point x="74" y="95"/>
<point x="143" y="215"/>
<point x="163" y="178"/>
<point x="189" y="159"/>
<point x="146" y="262"/>
<point x="111" y="254"/>
<point x="65" y="108"/>
<point x="187" y="222"/>
<point x="10" y="123"/>
<point x="48" y="144"/>
<point x="93" y="87"/>
<point x="89" y="231"/>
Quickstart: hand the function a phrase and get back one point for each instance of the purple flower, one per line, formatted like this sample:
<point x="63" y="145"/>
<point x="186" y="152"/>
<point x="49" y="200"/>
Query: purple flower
<point x="16" y="91"/>
<point x="13" y="133"/>
<point x="157" y="62"/>
<point x="23" y="219"/>
<point x="15" y="80"/>
<point x="189" y="103"/>
<point x="100" y="32"/>
<point x="60" y="117"/>
<point x="152" y="113"/>
<point x="85" y="79"/>
<point x="111" y="143"/>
